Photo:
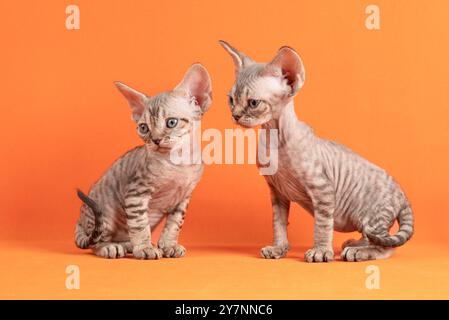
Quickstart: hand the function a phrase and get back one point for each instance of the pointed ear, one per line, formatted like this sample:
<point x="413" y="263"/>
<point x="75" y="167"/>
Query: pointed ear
<point x="135" y="99"/>
<point x="241" y="60"/>
<point x="197" y="85"/>
<point x="291" y="66"/>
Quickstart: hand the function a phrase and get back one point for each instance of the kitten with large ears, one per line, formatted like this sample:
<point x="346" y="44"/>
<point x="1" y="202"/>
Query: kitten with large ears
<point x="144" y="185"/>
<point x="339" y="188"/>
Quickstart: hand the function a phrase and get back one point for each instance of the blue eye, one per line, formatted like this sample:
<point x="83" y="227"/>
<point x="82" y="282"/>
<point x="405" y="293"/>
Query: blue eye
<point x="143" y="128"/>
<point x="252" y="103"/>
<point x="171" y="123"/>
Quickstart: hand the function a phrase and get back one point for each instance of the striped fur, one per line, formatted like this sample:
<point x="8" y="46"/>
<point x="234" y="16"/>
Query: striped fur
<point x="343" y="191"/>
<point x="144" y="186"/>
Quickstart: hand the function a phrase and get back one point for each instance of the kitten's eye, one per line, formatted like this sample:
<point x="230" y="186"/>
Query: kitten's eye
<point x="172" y="122"/>
<point x="143" y="128"/>
<point x="252" y="103"/>
<point x="231" y="101"/>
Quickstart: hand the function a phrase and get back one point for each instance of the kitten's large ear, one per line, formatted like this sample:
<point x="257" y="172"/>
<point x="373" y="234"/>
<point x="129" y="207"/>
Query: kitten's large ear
<point x="240" y="59"/>
<point x="135" y="98"/>
<point x="197" y="85"/>
<point x="291" y="66"/>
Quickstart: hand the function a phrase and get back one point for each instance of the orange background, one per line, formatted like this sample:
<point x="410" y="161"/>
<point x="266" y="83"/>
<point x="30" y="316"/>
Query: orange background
<point x="382" y="93"/>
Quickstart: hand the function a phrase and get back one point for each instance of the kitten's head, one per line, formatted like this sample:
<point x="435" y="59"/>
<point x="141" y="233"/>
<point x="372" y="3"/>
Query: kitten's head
<point x="261" y="90"/>
<point x="167" y="119"/>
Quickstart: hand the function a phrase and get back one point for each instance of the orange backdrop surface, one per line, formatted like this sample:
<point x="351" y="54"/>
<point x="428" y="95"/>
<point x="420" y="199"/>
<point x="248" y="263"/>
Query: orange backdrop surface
<point x="383" y="93"/>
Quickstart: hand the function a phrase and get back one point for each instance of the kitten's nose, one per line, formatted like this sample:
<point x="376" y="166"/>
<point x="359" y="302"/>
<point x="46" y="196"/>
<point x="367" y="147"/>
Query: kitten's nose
<point x="236" y="117"/>
<point x="157" y="141"/>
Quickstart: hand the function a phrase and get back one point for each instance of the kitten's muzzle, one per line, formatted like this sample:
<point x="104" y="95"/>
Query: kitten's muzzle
<point x="156" y="141"/>
<point x="236" y="117"/>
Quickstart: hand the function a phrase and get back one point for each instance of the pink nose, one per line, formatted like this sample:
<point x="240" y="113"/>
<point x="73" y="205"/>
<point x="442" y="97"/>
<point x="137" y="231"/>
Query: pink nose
<point x="157" y="141"/>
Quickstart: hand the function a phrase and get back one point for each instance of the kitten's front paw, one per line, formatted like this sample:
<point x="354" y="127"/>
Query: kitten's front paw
<point x="319" y="255"/>
<point x="274" y="252"/>
<point x="148" y="252"/>
<point x="110" y="250"/>
<point x="172" y="251"/>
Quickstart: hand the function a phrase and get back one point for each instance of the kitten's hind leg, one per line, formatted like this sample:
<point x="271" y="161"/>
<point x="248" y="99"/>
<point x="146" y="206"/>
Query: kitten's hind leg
<point x="362" y="250"/>
<point x="110" y="250"/>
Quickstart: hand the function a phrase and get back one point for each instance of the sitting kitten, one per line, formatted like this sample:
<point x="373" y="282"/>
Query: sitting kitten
<point x="340" y="189"/>
<point x="144" y="185"/>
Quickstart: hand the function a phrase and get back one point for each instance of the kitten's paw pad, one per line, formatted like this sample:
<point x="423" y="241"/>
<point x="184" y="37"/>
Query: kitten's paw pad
<point x="274" y="252"/>
<point x="147" y="252"/>
<point x="174" y="251"/>
<point x="110" y="251"/>
<point x="319" y="255"/>
<point x="355" y="254"/>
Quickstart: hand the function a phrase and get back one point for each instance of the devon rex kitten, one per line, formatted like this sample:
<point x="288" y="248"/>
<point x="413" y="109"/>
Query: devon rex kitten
<point x="340" y="189"/>
<point x="144" y="185"/>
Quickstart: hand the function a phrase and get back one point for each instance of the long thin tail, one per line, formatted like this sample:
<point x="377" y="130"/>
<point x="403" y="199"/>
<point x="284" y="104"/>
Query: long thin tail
<point x="85" y="240"/>
<point x="405" y="232"/>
